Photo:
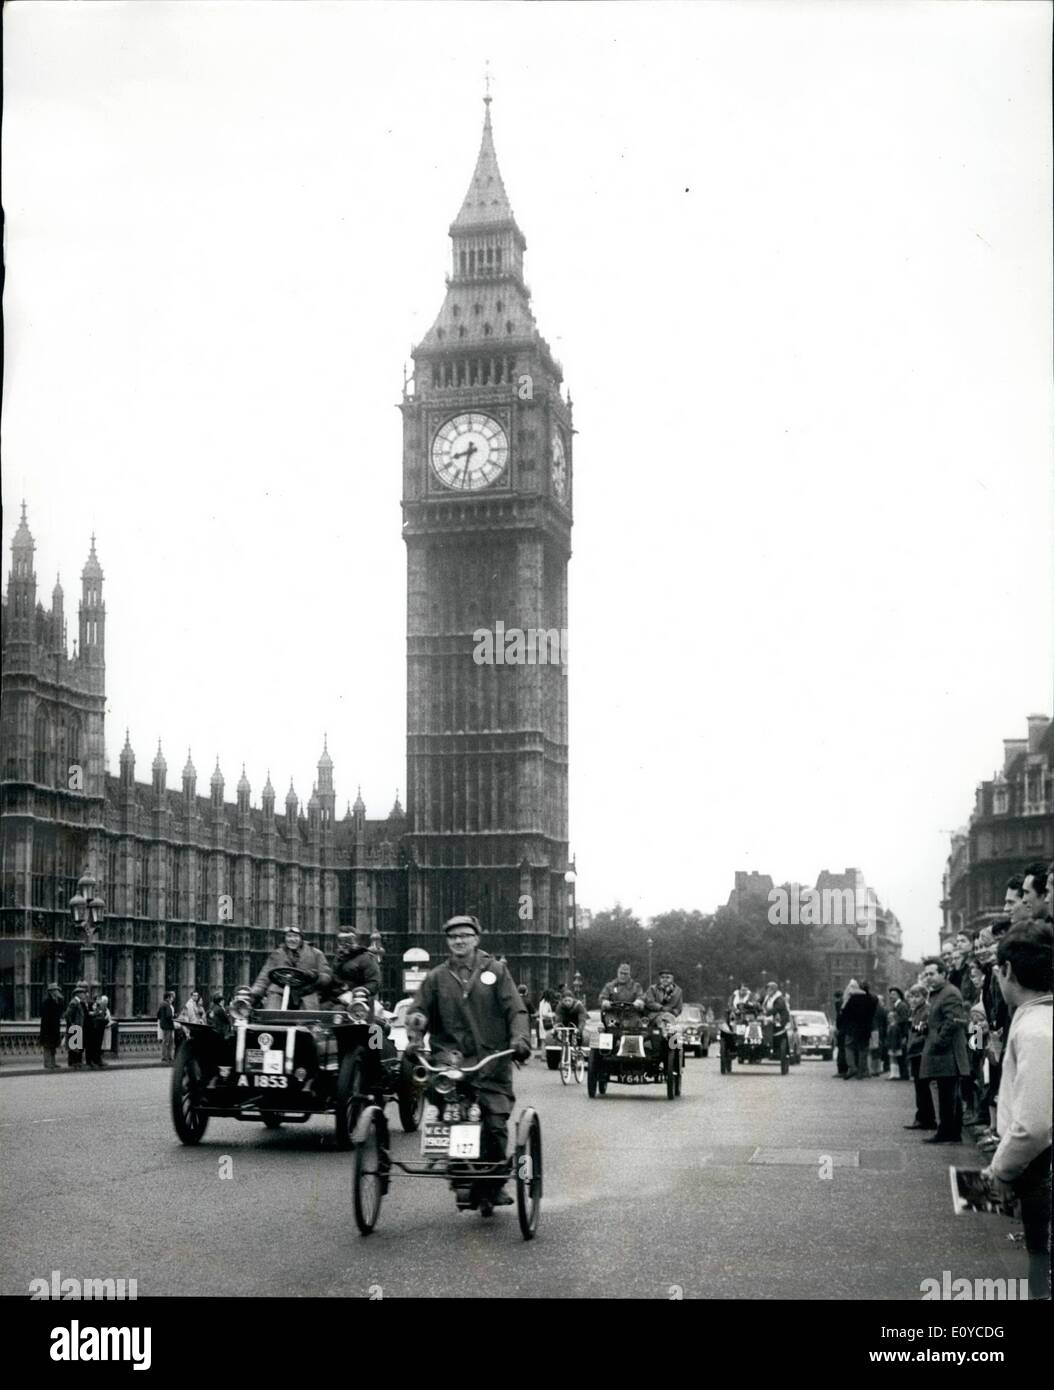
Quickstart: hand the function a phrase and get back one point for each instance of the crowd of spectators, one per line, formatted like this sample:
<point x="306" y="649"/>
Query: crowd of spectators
<point x="973" y="1033"/>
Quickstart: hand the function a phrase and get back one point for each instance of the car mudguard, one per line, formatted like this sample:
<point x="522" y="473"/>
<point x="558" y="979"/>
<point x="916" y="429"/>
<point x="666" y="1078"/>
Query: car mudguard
<point x="523" y="1124"/>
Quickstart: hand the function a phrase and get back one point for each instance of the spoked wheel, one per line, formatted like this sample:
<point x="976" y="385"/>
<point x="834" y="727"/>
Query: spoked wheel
<point x="565" y="1066"/>
<point x="369" y="1171"/>
<point x="272" y="1121"/>
<point x="411" y="1098"/>
<point x="189" y="1119"/>
<point x="784" y="1057"/>
<point x="528" y="1175"/>
<point x="592" y="1073"/>
<point x="680" y="1070"/>
<point x="602" y="1078"/>
<point x="351" y="1083"/>
<point x="580" y="1066"/>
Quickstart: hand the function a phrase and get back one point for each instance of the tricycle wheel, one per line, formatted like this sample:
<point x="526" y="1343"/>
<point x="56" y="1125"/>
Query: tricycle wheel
<point x="784" y="1057"/>
<point x="189" y="1119"/>
<point x="410" y="1097"/>
<point x="272" y="1121"/>
<point x="565" y="1066"/>
<point x="580" y="1066"/>
<point x="351" y="1083"/>
<point x="672" y="1074"/>
<point x="369" y="1172"/>
<point x="528" y="1174"/>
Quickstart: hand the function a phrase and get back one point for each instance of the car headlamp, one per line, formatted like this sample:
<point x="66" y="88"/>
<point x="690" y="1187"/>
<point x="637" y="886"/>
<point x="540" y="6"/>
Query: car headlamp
<point x="446" y="1081"/>
<point x="359" y="1012"/>
<point x="241" y="1006"/>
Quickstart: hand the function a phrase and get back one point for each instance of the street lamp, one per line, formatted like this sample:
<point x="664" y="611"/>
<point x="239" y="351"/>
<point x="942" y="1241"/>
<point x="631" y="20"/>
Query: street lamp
<point x="571" y="878"/>
<point x="88" y="912"/>
<point x="650" y="944"/>
<point x="699" y="980"/>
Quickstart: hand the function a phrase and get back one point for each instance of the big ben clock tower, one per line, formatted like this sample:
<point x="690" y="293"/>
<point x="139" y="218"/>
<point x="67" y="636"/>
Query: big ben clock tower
<point x="487" y="494"/>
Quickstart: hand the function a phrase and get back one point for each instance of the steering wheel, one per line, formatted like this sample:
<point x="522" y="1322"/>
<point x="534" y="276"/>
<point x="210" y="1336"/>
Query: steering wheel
<point x="296" y="979"/>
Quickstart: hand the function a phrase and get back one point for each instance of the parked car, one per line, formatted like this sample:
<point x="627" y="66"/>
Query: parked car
<point x="814" y="1029"/>
<point x="693" y="1030"/>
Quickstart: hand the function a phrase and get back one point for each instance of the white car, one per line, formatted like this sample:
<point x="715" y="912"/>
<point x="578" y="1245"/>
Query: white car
<point x="397" y="1022"/>
<point x="814" y="1030"/>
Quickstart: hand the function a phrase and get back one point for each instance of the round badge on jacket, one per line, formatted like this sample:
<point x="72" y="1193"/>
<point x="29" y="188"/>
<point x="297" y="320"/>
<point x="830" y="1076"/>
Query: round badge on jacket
<point x="488" y="978"/>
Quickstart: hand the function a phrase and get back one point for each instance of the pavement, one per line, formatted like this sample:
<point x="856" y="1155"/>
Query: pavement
<point x="751" y="1186"/>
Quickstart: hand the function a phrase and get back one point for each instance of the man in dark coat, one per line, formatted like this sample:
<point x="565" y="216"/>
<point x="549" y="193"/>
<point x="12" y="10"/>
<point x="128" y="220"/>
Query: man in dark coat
<point x="858" y="1014"/>
<point x="51" y="1012"/>
<point x="945" y="1057"/>
<point x="355" y="966"/>
<point x="665" y="997"/>
<point x="294" y="954"/>
<point x="470" y="1005"/>
<point x="166" y="1022"/>
<point x="74" y="1018"/>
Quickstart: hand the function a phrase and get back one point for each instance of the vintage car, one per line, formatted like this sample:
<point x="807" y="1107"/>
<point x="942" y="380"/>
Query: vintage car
<point x="815" y="1032"/>
<point x="634" y="1049"/>
<point x="277" y="1066"/>
<point x="748" y="1035"/>
<point x="693" y="1030"/>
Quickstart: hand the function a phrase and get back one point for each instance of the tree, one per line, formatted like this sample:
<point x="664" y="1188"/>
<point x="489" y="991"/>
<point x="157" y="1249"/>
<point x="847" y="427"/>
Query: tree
<point x="614" y="936"/>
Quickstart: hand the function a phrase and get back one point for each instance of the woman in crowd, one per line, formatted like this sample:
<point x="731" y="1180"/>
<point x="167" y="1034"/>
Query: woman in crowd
<point x="193" y="1011"/>
<point x="899" y="1026"/>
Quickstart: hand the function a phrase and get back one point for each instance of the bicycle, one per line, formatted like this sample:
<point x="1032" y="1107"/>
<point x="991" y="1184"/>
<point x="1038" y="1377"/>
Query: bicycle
<point x="572" y="1054"/>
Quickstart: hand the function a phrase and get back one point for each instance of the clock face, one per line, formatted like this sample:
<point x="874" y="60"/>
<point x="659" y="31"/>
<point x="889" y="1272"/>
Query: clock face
<point x="469" y="452"/>
<point x="559" y="465"/>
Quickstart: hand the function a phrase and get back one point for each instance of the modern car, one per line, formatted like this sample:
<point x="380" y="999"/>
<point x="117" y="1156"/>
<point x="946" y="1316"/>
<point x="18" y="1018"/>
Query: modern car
<point x="693" y="1030"/>
<point x="397" y="1023"/>
<point x="814" y="1029"/>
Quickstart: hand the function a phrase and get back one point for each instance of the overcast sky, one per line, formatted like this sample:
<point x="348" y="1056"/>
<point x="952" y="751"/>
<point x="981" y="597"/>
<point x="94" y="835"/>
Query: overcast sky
<point x="795" y="260"/>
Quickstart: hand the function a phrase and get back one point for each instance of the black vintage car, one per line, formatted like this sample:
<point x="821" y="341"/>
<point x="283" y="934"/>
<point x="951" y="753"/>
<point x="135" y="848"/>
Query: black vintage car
<point x="749" y="1035"/>
<point x="284" y="1065"/>
<point x="632" y="1049"/>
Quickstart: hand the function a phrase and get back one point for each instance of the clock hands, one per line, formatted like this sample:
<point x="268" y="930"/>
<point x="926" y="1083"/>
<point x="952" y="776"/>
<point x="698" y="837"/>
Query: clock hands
<point x="470" y="450"/>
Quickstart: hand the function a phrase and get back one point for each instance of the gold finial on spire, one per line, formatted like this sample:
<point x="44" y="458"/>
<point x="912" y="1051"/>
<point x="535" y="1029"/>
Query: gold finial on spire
<point x="486" y="82"/>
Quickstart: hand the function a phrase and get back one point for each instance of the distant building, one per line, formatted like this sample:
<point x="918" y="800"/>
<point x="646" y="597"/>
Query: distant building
<point x="856" y="936"/>
<point x="1012" y="825"/>
<point x="749" y="887"/>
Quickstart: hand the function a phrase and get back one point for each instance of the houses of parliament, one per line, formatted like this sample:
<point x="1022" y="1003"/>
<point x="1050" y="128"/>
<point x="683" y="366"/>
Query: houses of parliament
<point x="198" y="887"/>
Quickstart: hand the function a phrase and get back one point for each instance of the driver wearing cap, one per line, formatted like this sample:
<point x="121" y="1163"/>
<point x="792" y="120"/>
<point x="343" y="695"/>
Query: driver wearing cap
<point x="469" y="1004"/>
<point x="294" y="954"/>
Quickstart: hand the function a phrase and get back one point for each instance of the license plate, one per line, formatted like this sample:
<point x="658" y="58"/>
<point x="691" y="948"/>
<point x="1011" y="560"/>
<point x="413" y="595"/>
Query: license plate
<point x="605" y="1041"/>
<point x="457" y="1141"/>
<point x="271" y="1061"/>
<point x="264" y="1081"/>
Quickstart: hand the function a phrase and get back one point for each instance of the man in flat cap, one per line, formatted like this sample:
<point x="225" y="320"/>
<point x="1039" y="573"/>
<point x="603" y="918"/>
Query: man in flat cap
<point x="470" y="1004"/>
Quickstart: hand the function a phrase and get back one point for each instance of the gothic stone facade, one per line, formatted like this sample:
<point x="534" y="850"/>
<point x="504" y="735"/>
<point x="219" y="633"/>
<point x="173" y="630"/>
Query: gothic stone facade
<point x="487" y="523"/>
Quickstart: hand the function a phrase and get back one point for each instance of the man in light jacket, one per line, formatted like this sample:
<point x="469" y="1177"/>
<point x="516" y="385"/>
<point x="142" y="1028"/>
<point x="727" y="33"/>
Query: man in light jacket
<point x="1022" y="1160"/>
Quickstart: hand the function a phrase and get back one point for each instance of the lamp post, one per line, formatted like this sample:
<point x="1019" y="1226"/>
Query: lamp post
<point x="571" y="878"/>
<point x="699" y="981"/>
<point x="650" y="944"/>
<point x="88" y="912"/>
